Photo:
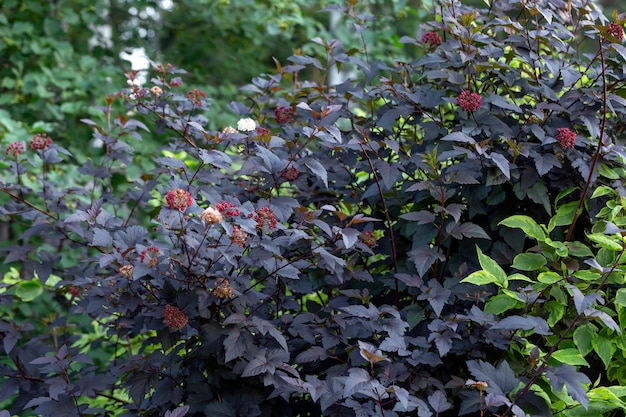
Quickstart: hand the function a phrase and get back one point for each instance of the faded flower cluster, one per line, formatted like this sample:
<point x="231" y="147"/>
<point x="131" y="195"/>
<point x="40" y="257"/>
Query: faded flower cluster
<point x="211" y="216"/>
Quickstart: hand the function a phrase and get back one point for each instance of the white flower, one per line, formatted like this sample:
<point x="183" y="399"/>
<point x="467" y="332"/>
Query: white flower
<point x="246" y="125"/>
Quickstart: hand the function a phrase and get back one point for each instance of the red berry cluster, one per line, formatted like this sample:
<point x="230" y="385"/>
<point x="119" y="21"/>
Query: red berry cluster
<point x="174" y="317"/>
<point x="227" y="209"/>
<point x="239" y="236"/>
<point x="431" y="38"/>
<point x="616" y="30"/>
<point x="15" y="149"/>
<point x="178" y="199"/>
<point x="290" y="173"/>
<point x="40" y="141"/>
<point x="469" y="101"/>
<point x="196" y="96"/>
<point x="566" y="137"/>
<point x="283" y="114"/>
<point x="265" y="217"/>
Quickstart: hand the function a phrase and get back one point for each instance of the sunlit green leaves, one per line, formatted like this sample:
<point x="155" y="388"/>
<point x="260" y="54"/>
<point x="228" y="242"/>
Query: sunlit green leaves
<point x="492" y="273"/>
<point x="527" y="224"/>
<point x="529" y="261"/>
<point x="570" y="356"/>
<point x="29" y="290"/>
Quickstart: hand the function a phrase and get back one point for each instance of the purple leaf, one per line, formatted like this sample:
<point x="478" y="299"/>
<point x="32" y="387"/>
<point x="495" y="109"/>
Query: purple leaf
<point x="567" y="375"/>
<point x="438" y="402"/>
<point x="312" y="354"/>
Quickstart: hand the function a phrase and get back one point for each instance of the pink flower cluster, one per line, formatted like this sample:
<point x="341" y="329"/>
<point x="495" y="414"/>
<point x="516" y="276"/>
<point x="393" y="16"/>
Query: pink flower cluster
<point x="178" y="199"/>
<point x="227" y="209"/>
<point x="174" y="317"/>
<point x="40" y="141"/>
<point x="15" y="149"/>
<point x="196" y="96"/>
<point x="616" y="30"/>
<point x="566" y="137"/>
<point x="469" y="101"/>
<point x="265" y="217"/>
<point x="150" y="254"/>
<point x="283" y="114"/>
<point x="431" y="38"/>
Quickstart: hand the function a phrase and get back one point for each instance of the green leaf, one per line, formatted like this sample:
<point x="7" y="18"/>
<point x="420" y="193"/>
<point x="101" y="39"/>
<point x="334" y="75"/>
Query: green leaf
<point x="529" y="261"/>
<point x="607" y="172"/>
<point x="492" y="267"/>
<point x="500" y="303"/>
<point x="588" y="275"/>
<point x="560" y="248"/>
<point x="564" y="194"/>
<point x="527" y="224"/>
<point x="604" y="347"/>
<point x="556" y="311"/>
<point x="480" y="278"/>
<point x="578" y="249"/>
<point x="583" y="338"/>
<point x="519" y="277"/>
<point x="570" y="356"/>
<point x="605" y="241"/>
<point x="29" y="290"/>
<point x="549" y="277"/>
<point x="602" y="190"/>
<point x="564" y="215"/>
<point x="620" y="297"/>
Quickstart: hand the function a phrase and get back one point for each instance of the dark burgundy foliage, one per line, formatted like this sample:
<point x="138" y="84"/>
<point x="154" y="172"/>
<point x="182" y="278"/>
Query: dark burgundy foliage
<point x="327" y="279"/>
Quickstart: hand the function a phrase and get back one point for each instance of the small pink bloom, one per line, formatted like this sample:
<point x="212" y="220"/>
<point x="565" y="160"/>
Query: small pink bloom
<point x="228" y="209"/>
<point x="431" y="38"/>
<point x="265" y="217"/>
<point x="15" y="149"/>
<point x="566" y="137"/>
<point x="617" y="31"/>
<point x="40" y="142"/>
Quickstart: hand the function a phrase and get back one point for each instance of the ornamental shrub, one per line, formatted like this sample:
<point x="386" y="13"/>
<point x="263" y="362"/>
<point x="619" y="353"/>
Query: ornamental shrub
<point x="439" y="237"/>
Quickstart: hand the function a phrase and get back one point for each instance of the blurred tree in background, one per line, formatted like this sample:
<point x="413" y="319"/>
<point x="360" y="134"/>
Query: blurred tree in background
<point x="58" y="58"/>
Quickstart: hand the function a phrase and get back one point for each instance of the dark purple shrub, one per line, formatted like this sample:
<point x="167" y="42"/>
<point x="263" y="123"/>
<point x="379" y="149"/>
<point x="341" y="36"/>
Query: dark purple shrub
<point x="440" y="237"/>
